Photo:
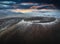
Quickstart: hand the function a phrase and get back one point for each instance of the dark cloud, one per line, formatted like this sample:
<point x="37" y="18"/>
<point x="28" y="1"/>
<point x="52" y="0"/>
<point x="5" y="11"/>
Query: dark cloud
<point x="55" y="2"/>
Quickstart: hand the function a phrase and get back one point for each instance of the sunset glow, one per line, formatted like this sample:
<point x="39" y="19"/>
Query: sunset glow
<point x="22" y="10"/>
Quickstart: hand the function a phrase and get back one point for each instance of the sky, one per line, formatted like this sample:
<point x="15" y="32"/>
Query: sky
<point x="56" y="2"/>
<point x="34" y="0"/>
<point x="45" y="1"/>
